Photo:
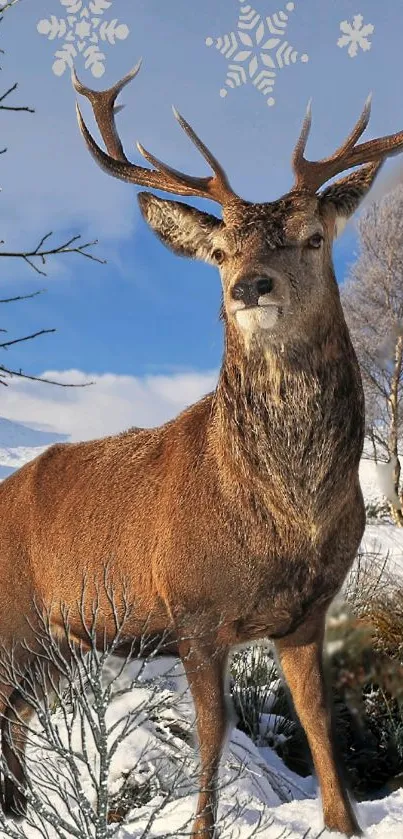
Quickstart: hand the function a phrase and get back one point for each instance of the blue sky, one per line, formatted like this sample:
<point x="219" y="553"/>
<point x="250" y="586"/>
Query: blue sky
<point x="149" y="319"/>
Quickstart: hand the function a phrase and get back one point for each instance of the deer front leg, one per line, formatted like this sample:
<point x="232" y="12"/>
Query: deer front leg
<point x="301" y="659"/>
<point x="205" y="671"/>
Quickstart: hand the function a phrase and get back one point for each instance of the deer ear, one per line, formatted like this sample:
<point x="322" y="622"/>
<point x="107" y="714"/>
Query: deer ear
<point x="183" y="229"/>
<point x="342" y="198"/>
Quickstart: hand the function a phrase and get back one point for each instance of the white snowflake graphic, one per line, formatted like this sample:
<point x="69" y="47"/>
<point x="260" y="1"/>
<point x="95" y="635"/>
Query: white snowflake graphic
<point x="257" y="50"/>
<point x="355" y="35"/>
<point x="82" y="32"/>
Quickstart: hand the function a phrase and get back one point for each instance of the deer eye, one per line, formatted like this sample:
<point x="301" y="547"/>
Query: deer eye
<point x="218" y="255"/>
<point x="315" y="241"/>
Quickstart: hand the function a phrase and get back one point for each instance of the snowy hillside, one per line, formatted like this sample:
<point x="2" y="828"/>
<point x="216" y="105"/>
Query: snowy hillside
<point x="21" y="443"/>
<point x="387" y="541"/>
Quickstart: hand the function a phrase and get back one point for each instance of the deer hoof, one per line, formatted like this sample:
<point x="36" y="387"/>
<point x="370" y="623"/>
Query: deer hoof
<point x="345" y="823"/>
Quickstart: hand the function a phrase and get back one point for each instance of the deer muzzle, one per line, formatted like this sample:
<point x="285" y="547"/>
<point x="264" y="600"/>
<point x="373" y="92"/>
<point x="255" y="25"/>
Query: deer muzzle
<point x="252" y="291"/>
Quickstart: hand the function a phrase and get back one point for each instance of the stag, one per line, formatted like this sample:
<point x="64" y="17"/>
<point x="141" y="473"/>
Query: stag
<point x="240" y="519"/>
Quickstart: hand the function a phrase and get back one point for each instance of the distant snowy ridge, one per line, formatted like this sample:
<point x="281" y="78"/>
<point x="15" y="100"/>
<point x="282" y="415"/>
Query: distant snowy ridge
<point x="20" y="443"/>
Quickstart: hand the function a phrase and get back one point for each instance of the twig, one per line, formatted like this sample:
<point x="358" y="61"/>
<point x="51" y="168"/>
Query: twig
<point x="22" y="296"/>
<point x="42" y="253"/>
<point x="7" y="6"/>
<point x="6" y="344"/>
<point x="6" y="371"/>
<point x="14" y="107"/>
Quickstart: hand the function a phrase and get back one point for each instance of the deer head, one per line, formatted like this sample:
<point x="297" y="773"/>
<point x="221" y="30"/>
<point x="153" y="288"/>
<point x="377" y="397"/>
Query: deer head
<point x="274" y="258"/>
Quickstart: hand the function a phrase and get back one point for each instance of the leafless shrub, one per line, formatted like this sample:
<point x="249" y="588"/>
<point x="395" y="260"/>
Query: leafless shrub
<point x="365" y="649"/>
<point x="375" y="595"/>
<point x="112" y="737"/>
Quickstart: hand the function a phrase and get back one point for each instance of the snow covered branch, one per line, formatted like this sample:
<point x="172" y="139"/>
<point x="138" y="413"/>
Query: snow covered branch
<point x="110" y="733"/>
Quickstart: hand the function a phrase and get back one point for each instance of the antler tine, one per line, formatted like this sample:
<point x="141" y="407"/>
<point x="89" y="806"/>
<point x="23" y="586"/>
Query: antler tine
<point x="164" y="180"/>
<point x="119" y="167"/>
<point x="163" y="177"/>
<point x="298" y="154"/>
<point x="103" y="105"/>
<point x="216" y="188"/>
<point x="355" y="134"/>
<point x="375" y="150"/>
<point x="220" y="174"/>
<point x="310" y="175"/>
<point x="202" y="187"/>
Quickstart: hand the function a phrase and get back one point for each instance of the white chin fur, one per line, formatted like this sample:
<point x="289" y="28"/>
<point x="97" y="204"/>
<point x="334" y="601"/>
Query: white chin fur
<point x="261" y="317"/>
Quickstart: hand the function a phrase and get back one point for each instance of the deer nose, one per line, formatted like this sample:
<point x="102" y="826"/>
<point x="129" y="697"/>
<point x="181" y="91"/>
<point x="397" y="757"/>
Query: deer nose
<point x="249" y="291"/>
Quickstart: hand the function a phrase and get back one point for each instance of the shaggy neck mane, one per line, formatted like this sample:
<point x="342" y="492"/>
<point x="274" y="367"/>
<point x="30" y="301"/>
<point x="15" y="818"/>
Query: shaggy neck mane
<point x="291" y="419"/>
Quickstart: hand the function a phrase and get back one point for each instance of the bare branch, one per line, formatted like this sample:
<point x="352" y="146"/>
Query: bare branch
<point x="5" y="371"/>
<point x="42" y="253"/>
<point x="13" y="107"/>
<point x="6" y="344"/>
<point x="22" y="296"/>
<point x="6" y="6"/>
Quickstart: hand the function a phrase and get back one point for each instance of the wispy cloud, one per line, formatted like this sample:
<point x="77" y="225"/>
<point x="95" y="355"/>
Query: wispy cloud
<point x="110" y="405"/>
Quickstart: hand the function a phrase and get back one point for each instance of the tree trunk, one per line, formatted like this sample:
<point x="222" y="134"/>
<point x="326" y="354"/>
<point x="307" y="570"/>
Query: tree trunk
<point x="395" y="506"/>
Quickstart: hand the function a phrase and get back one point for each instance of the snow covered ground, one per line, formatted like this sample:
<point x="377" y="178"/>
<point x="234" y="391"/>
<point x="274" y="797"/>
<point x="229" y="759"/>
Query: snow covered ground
<point x="385" y="540"/>
<point x="259" y="796"/>
<point x="380" y="538"/>
<point x="254" y="780"/>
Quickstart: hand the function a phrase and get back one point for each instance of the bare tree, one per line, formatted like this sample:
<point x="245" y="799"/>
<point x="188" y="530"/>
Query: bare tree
<point x="35" y="256"/>
<point x="373" y="303"/>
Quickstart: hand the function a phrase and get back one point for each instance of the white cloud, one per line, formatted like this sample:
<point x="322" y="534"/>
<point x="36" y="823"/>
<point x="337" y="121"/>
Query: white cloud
<point x="112" y="404"/>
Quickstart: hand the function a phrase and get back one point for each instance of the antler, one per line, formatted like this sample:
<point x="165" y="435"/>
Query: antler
<point x="163" y="177"/>
<point x="310" y="175"/>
